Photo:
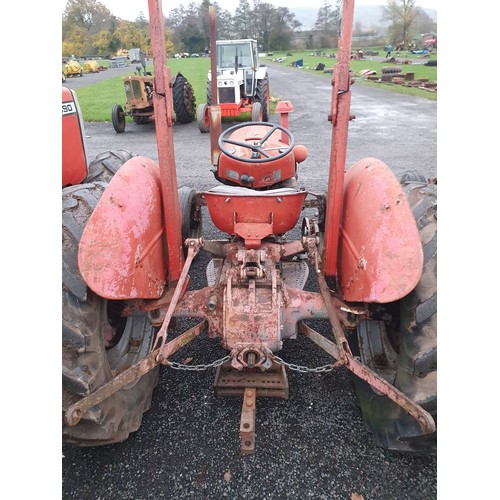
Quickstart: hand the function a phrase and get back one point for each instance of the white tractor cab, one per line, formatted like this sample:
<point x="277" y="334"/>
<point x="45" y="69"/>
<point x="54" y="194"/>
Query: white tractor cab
<point x="242" y="83"/>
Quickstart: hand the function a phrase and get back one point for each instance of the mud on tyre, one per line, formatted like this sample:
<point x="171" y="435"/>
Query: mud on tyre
<point x="97" y="342"/>
<point x="184" y="100"/>
<point x="262" y="96"/>
<point x="403" y="349"/>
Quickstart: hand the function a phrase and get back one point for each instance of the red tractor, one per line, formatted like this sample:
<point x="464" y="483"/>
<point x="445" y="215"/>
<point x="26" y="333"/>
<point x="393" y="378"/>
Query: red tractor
<point x="371" y="251"/>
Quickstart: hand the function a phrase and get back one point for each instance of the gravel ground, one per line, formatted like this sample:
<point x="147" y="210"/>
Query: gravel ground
<point x="313" y="445"/>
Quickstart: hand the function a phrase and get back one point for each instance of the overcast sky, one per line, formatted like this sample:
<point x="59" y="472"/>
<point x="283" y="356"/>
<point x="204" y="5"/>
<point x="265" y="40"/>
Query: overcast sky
<point x="129" y="9"/>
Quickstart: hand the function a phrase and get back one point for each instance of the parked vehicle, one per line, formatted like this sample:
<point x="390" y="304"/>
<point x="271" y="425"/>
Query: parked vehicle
<point x="241" y="85"/>
<point x="73" y="68"/>
<point x="139" y="90"/>
<point x="118" y="62"/>
<point x="369" y="247"/>
<point x="134" y="55"/>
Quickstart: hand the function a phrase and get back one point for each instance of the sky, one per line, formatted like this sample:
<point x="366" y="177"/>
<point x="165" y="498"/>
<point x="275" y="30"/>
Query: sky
<point x="129" y="9"/>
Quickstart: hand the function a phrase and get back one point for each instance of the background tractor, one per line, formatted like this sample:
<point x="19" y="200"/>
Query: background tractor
<point x="368" y="245"/>
<point x="139" y="93"/>
<point x="241" y="86"/>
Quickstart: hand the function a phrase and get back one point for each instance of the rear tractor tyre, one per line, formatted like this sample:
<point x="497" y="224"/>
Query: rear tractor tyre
<point x="404" y="350"/>
<point x="184" y="100"/>
<point x="118" y="119"/>
<point x="191" y="215"/>
<point x="97" y="342"/>
<point x="262" y="96"/>
<point x="256" y="114"/>
<point x="202" y="118"/>
<point x="105" y="165"/>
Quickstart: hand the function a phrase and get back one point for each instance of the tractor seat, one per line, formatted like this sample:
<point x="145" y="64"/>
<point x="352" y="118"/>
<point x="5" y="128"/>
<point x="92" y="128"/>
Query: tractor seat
<point x="254" y="215"/>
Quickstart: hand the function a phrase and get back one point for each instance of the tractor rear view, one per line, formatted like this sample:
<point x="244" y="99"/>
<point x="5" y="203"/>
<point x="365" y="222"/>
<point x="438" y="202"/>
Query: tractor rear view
<point x="241" y="86"/>
<point x="369" y="249"/>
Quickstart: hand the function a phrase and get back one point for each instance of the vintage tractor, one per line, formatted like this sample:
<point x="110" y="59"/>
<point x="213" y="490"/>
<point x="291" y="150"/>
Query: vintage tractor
<point x="139" y="93"/>
<point x="241" y="86"/>
<point x="128" y="247"/>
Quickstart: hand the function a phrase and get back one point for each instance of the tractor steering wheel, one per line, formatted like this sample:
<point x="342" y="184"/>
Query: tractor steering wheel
<point x="258" y="146"/>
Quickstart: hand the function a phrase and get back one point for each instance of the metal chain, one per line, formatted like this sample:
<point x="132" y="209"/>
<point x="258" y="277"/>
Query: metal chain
<point x="180" y="366"/>
<point x="304" y="369"/>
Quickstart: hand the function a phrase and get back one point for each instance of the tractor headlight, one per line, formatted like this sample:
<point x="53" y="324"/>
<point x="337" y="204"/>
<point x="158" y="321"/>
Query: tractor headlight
<point x="219" y="83"/>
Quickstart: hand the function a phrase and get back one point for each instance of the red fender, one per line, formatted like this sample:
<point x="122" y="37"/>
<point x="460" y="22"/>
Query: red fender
<point x="121" y="250"/>
<point x="381" y="256"/>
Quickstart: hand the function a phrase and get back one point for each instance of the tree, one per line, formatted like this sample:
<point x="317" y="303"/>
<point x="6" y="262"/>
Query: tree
<point x="424" y="23"/>
<point x="187" y="29"/>
<point x="327" y="24"/>
<point x="102" y="42"/>
<point x="243" y="20"/>
<point x="401" y="16"/>
<point x="141" y="21"/>
<point x="284" y="24"/>
<point x="76" y="42"/>
<point x="130" y="35"/>
<point x="88" y="14"/>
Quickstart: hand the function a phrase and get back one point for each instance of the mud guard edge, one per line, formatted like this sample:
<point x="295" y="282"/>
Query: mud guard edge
<point x="381" y="256"/>
<point x="121" y="250"/>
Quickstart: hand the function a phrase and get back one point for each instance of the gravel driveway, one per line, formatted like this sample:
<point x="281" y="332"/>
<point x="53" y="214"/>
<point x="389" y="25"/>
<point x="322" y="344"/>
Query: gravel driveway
<point x="313" y="445"/>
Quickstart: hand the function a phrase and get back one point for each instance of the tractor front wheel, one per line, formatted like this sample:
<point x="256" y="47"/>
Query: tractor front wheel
<point x="118" y="119"/>
<point x="404" y="349"/>
<point x="202" y="118"/>
<point x="98" y="342"/>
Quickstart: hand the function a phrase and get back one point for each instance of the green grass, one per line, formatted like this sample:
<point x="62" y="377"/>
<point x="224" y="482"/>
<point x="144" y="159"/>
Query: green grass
<point x="420" y="70"/>
<point x="97" y="100"/>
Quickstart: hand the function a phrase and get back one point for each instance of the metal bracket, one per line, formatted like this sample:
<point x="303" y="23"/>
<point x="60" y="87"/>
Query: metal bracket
<point x="423" y="418"/>
<point x="250" y="384"/>
<point x="247" y="421"/>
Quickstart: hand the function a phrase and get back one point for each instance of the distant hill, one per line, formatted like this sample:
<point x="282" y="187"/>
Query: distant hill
<point x="367" y="15"/>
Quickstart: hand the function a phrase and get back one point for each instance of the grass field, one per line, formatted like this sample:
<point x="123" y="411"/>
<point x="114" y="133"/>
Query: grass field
<point x="97" y="100"/>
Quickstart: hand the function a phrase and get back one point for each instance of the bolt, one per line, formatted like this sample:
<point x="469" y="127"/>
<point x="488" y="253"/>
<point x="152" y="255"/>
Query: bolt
<point x="212" y="303"/>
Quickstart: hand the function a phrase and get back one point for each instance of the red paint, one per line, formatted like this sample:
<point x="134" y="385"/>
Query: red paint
<point x="265" y="174"/>
<point x="121" y="249"/>
<point x="163" y="106"/>
<point x="255" y="216"/>
<point x="340" y="111"/>
<point x="381" y="255"/>
<point x="74" y="161"/>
